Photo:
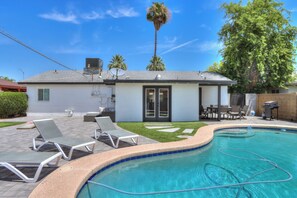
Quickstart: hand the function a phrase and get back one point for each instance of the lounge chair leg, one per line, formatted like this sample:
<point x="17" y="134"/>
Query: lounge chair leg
<point x="98" y="131"/>
<point x="90" y="150"/>
<point x="63" y="153"/>
<point x="41" y="145"/>
<point x="135" y="141"/>
<point x="37" y="173"/>
<point x="112" y="142"/>
<point x="118" y="141"/>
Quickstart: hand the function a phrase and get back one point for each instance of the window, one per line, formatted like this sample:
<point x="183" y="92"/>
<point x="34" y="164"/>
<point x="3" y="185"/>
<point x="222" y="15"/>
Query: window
<point x="275" y="91"/>
<point x="43" y="94"/>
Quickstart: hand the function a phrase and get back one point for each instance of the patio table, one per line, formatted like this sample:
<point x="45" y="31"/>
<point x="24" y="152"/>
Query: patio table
<point x="214" y="109"/>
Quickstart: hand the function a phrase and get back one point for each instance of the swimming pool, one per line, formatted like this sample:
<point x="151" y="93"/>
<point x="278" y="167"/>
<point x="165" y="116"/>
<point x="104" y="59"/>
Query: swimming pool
<point x="262" y="159"/>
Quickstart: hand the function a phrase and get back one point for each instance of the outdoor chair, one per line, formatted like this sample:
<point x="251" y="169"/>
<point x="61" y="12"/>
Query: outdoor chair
<point x="203" y="112"/>
<point x="90" y="116"/>
<point x="106" y="127"/>
<point x="224" y="111"/>
<point x="235" y="112"/>
<point x="50" y="134"/>
<point x="11" y="160"/>
<point x="244" y="110"/>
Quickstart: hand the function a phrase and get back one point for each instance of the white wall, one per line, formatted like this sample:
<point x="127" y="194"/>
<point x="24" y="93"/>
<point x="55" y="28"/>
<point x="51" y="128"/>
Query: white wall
<point x="185" y="102"/>
<point x="129" y="101"/>
<point x="65" y="96"/>
<point x="210" y="95"/>
<point x="292" y="89"/>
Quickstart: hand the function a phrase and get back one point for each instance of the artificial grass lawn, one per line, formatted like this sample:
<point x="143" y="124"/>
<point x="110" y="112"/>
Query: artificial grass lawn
<point x="139" y="128"/>
<point x="6" y="124"/>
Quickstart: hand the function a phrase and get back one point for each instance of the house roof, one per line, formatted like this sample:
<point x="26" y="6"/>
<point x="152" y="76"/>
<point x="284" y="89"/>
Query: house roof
<point x="10" y="85"/>
<point x="77" y="77"/>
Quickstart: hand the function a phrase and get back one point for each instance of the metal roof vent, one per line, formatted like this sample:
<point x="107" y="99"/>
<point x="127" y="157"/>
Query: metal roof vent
<point x="158" y="77"/>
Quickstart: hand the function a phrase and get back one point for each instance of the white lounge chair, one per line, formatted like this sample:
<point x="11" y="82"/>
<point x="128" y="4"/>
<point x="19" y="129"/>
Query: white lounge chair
<point x="11" y="160"/>
<point x="50" y="133"/>
<point x="106" y="127"/>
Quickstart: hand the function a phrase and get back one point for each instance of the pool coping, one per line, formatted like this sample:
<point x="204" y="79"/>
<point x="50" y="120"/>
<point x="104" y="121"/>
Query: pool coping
<point x="68" y="179"/>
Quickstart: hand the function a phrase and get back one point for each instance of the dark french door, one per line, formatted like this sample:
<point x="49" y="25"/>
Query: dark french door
<point x="157" y="103"/>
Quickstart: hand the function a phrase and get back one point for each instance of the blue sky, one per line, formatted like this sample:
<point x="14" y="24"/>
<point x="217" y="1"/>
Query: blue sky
<point x="70" y="31"/>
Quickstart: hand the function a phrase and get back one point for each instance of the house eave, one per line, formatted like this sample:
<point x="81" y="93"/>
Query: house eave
<point x="200" y="82"/>
<point x="27" y="83"/>
<point x="114" y="81"/>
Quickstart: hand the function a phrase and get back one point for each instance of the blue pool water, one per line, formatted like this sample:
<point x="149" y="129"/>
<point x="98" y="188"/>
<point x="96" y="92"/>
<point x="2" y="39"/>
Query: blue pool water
<point x="237" y="163"/>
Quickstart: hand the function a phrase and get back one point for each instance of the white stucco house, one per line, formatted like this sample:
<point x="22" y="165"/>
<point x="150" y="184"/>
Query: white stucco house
<point x="134" y="96"/>
<point x="291" y="88"/>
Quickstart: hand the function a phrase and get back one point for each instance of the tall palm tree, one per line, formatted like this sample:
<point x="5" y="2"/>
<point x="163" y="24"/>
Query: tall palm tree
<point x="117" y="61"/>
<point x="159" y="14"/>
<point x="156" y="64"/>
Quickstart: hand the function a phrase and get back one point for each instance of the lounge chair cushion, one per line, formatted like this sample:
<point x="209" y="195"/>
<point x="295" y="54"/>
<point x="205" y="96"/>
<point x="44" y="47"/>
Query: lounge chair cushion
<point x="25" y="157"/>
<point x="105" y="124"/>
<point x="120" y="133"/>
<point x="48" y="129"/>
<point x="69" y="141"/>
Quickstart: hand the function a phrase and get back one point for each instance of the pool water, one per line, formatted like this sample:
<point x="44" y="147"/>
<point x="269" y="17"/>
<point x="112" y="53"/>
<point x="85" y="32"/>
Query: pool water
<point x="264" y="161"/>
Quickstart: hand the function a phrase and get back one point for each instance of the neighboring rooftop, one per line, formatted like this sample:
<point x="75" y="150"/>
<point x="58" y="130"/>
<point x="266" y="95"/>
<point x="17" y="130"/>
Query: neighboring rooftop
<point x="77" y="77"/>
<point x="293" y="83"/>
<point x="6" y="85"/>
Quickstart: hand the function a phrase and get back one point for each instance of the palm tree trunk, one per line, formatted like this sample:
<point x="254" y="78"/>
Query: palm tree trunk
<point x="155" y="52"/>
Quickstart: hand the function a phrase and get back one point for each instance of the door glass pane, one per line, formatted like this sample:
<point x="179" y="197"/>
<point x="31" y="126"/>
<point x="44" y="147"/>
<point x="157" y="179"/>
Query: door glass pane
<point x="150" y="103"/>
<point x="163" y="103"/>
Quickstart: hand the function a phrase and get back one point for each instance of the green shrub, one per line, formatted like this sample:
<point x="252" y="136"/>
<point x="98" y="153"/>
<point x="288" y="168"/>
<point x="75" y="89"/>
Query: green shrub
<point x="12" y="104"/>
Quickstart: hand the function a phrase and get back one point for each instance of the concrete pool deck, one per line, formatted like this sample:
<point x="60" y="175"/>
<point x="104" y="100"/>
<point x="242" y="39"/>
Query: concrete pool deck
<point x="21" y="140"/>
<point x="67" y="180"/>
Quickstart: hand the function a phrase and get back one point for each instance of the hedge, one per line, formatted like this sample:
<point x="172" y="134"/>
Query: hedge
<point x="13" y="104"/>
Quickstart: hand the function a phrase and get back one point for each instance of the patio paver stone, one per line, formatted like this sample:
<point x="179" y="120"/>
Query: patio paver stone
<point x="157" y="127"/>
<point x="188" y="131"/>
<point x="171" y="130"/>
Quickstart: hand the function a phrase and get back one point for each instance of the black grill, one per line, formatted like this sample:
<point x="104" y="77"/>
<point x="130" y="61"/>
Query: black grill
<point x="268" y="107"/>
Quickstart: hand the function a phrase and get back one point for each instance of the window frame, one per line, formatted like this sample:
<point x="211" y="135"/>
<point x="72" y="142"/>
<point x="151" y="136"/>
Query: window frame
<point x="41" y="93"/>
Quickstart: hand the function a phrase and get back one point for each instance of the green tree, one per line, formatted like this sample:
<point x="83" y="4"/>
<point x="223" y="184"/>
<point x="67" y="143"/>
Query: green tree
<point x="7" y="78"/>
<point x="216" y="67"/>
<point x="159" y="14"/>
<point x="156" y="64"/>
<point x="259" y="45"/>
<point x="117" y="61"/>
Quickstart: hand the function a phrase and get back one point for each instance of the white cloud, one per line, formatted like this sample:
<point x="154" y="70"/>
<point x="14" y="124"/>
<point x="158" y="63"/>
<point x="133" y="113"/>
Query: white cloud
<point x="70" y="17"/>
<point x="179" y="46"/>
<point x="122" y="12"/>
<point x="93" y="15"/>
<point x="56" y="16"/>
<point x="209" y="46"/>
<point x="293" y="10"/>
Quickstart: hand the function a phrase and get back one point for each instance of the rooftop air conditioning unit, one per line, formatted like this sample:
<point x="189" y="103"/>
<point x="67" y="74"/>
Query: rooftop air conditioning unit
<point x="93" y="66"/>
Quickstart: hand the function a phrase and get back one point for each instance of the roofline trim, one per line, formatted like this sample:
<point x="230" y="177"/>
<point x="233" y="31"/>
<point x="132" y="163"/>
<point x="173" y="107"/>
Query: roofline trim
<point x="108" y="82"/>
<point x="206" y="82"/>
<point x="61" y="83"/>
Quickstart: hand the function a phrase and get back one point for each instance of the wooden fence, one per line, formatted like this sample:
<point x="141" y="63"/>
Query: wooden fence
<point x="287" y="105"/>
